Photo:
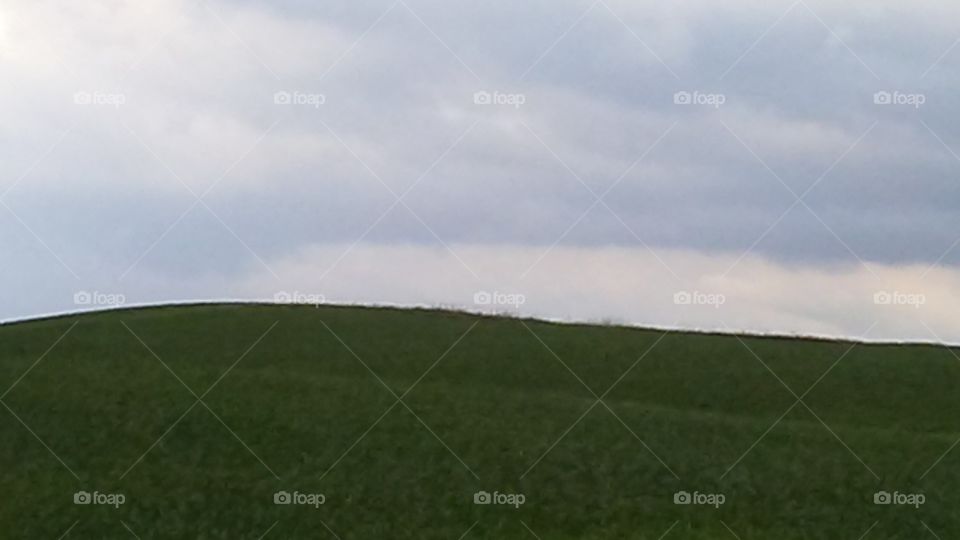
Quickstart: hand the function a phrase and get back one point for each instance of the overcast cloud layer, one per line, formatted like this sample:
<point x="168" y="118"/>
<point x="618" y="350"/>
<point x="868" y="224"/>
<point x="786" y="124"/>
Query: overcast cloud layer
<point x="798" y="160"/>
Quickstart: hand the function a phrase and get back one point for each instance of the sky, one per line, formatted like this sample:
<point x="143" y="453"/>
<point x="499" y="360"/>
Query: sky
<point x="786" y="167"/>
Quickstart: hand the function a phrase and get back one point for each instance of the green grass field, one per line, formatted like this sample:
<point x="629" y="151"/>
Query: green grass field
<point x="222" y="406"/>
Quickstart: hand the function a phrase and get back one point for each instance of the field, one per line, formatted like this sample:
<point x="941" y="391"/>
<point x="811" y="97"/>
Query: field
<point x="197" y="418"/>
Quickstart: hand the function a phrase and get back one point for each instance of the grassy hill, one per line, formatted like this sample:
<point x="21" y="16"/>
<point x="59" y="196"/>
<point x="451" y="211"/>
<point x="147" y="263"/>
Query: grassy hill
<point x="198" y="416"/>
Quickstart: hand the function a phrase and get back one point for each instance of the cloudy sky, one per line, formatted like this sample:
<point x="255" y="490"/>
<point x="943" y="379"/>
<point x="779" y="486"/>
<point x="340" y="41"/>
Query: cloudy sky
<point x="769" y="166"/>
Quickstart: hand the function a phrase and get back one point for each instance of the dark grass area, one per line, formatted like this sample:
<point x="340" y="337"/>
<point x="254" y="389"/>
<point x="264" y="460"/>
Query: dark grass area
<point x="499" y="411"/>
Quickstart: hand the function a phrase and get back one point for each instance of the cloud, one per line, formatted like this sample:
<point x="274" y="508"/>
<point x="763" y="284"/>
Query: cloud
<point x="632" y="286"/>
<point x="178" y="101"/>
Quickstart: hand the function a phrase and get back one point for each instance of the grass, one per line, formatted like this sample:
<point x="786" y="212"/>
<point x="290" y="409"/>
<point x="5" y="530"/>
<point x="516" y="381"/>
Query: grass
<point x="304" y="399"/>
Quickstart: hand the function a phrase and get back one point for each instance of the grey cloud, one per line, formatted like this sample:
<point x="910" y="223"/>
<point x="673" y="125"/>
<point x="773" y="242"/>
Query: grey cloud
<point x="200" y="97"/>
